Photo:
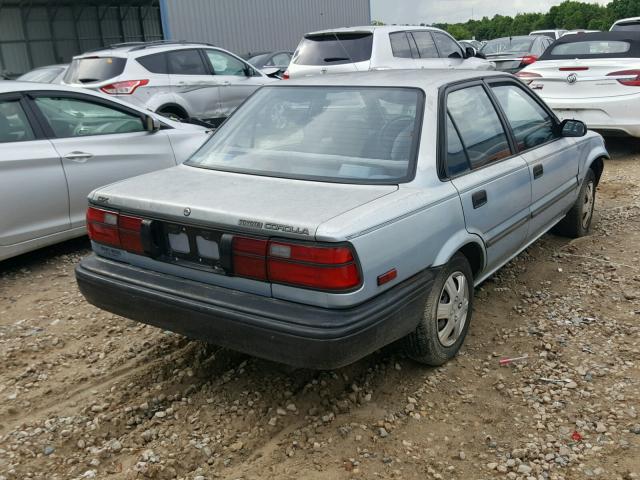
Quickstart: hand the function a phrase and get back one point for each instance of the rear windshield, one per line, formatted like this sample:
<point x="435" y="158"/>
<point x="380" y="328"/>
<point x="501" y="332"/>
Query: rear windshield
<point x="590" y="48"/>
<point x="508" y="45"/>
<point x="43" y="75"/>
<point x="334" y="49"/>
<point x="632" y="26"/>
<point x="94" y="69"/>
<point x="337" y="134"/>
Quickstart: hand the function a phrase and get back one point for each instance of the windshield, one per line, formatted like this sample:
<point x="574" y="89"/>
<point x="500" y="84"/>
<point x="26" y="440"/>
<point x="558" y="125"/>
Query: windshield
<point x="334" y="49"/>
<point x="337" y="134"/>
<point x="259" y="60"/>
<point x="508" y="45"/>
<point x="588" y="48"/>
<point x="94" y="69"/>
<point x="43" y="75"/>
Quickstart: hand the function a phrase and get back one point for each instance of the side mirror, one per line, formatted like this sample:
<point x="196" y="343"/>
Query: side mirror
<point x="573" y="128"/>
<point x="470" y="52"/>
<point x="151" y="124"/>
<point x="248" y="71"/>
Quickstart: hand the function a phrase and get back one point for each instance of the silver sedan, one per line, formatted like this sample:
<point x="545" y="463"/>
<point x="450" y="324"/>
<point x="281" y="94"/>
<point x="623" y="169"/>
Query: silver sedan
<point x="58" y="143"/>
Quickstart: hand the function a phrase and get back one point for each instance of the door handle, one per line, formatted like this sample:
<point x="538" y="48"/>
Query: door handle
<point x="79" y="157"/>
<point x="226" y="82"/>
<point x="538" y="171"/>
<point x="479" y="198"/>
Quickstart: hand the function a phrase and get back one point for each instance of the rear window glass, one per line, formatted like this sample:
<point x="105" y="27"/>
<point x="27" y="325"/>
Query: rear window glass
<point x="592" y="47"/>
<point x="338" y="134"/>
<point x="94" y="69"/>
<point x="508" y="45"/>
<point x="632" y="26"/>
<point x="334" y="49"/>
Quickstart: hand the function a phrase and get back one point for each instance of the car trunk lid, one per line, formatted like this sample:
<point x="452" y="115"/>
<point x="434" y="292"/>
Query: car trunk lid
<point x="580" y="78"/>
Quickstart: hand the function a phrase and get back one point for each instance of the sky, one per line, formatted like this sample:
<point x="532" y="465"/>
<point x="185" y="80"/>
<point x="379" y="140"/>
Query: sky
<point x="454" y="11"/>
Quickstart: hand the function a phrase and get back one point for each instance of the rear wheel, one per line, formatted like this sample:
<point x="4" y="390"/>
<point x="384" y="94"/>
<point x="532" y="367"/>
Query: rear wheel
<point x="173" y="113"/>
<point x="446" y="316"/>
<point x="577" y="223"/>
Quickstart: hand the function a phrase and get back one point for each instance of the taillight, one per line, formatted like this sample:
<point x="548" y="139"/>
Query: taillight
<point x="126" y="87"/>
<point x="528" y="59"/>
<point x="528" y="77"/>
<point x="573" y="69"/>
<point x="285" y="75"/>
<point x="115" y="230"/>
<point x="632" y="77"/>
<point x="320" y="267"/>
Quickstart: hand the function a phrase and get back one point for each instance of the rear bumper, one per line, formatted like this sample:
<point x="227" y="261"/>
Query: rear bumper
<point x="607" y="114"/>
<point x="278" y="330"/>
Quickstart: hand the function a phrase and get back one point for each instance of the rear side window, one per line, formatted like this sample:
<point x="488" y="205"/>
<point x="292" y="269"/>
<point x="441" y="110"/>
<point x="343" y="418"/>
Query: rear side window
<point x="94" y="69"/>
<point x="334" y="49"/>
<point x="400" y="45"/>
<point x="480" y="129"/>
<point x="14" y="126"/>
<point x="186" y="62"/>
<point x="447" y="47"/>
<point x="426" y="45"/>
<point x="156" y="63"/>
<point x="531" y="124"/>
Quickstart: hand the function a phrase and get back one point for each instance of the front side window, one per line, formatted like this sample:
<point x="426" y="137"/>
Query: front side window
<point x="426" y="45"/>
<point x="14" y="126"/>
<point x="531" y="124"/>
<point x="224" y="64"/>
<point x="479" y="126"/>
<point x="400" y="45"/>
<point x="72" y="117"/>
<point x="186" y="62"/>
<point x="447" y="47"/>
<point x="334" y="49"/>
<point x="339" y="134"/>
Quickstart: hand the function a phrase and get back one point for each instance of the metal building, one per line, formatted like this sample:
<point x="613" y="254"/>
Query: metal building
<point x="244" y="26"/>
<point x="44" y="32"/>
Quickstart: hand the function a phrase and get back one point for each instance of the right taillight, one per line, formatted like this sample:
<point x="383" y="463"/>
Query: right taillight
<point x="126" y="87"/>
<point x="320" y="267"/>
<point x="632" y="77"/>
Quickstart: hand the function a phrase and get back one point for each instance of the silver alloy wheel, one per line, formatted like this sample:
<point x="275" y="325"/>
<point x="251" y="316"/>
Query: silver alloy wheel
<point x="452" y="308"/>
<point x="587" y="209"/>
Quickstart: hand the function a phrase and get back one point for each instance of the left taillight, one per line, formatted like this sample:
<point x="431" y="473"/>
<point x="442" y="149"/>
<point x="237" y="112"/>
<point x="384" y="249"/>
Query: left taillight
<point x="115" y="230"/>
<point x="528" y="77"/>
<point x="126" y="87"/>
<point x="528" y="60"/>
<point x="631" y="78"/>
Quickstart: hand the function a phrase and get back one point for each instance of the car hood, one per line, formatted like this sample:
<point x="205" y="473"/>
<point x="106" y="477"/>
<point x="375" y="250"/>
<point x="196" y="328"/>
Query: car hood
<point x="260" y="205"/>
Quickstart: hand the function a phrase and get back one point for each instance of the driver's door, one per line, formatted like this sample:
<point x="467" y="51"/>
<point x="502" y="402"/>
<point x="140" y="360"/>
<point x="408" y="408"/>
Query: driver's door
<point x="100" y="142"/>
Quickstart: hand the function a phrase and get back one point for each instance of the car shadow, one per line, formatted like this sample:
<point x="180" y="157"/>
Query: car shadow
<point x="77" y="246"/>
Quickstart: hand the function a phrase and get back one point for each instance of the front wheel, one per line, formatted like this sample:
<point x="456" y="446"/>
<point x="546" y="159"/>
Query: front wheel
<point x="577" y="223"/>
<point x="446" y="316"/>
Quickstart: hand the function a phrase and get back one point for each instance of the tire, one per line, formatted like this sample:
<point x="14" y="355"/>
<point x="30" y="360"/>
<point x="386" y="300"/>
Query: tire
<point x="172" y="113"/>
<point x="577" y="223"/>
<point x="429" y="343"/>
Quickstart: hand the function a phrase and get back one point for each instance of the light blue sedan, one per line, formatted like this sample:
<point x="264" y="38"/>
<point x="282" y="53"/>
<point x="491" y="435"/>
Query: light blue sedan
<point x="333" y="215"/>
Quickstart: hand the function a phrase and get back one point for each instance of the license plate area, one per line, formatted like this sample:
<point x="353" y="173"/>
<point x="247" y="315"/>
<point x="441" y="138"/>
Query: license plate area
<point x="196" y="247"/>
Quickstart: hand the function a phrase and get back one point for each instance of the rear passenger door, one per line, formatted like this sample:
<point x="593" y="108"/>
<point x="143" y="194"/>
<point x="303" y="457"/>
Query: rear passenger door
<point x="428" y="56"/>
<point x="237" y="79"/>
<point x="492" y="181"/>
<point x="100" y="142"/>
<point x="192" y="81"/>
<point x="33" y="189"/>
<point x="552" y="159"/>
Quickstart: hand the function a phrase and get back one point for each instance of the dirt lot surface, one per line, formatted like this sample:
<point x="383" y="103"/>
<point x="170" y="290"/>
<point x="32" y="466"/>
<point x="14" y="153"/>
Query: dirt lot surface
<point x="86" y="394"/>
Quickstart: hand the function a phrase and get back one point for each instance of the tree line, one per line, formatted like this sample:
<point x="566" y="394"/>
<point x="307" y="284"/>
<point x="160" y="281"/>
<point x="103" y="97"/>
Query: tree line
<point x="568" y="15"/>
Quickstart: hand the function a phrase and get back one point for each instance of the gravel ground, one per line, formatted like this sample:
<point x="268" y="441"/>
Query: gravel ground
<point x="87" y="394"/>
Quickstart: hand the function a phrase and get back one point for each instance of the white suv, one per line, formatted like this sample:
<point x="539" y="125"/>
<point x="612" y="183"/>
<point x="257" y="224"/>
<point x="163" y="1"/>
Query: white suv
<point x="357" y="49"/>
<point x="176" y="79"/>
